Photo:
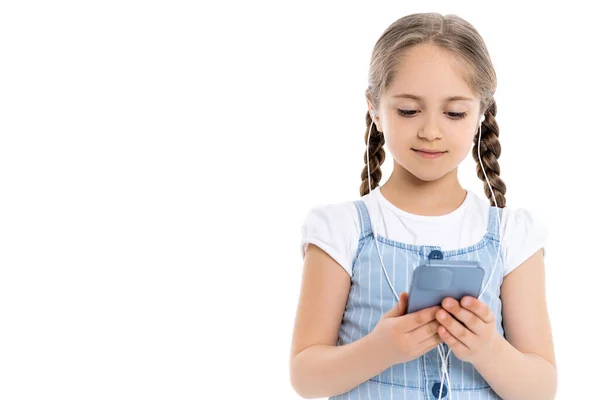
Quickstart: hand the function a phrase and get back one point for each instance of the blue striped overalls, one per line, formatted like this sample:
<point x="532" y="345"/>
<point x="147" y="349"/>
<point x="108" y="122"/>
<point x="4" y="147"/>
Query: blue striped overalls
<point x="370" y="297"/>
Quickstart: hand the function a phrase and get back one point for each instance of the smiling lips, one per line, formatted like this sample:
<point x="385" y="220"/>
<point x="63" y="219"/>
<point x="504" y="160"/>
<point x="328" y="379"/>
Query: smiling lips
<point x="426" y="153"/>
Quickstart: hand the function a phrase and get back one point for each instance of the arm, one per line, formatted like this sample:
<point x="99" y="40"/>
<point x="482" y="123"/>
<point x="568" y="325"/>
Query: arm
<point x="325" y="370"/>
<point x="523" y="366"/>
<point x="318" y="367"/>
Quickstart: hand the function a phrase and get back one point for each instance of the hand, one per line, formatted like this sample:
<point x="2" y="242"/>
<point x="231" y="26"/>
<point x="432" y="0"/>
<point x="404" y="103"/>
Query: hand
<point x="468" y="328"/>
<point x="408" y="336"/>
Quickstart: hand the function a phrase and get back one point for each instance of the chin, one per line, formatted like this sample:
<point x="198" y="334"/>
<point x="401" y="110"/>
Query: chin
<point x="426" y="171"/>
<point x="428" y="174"/>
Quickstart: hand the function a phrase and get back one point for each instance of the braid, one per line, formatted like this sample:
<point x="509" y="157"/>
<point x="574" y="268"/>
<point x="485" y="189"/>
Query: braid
<point x="376" y="157"/>
<point x="490" y="152"/>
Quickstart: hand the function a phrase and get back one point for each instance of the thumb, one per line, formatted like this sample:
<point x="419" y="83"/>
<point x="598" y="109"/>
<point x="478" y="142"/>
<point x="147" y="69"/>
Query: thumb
<point x="399" y="308"/>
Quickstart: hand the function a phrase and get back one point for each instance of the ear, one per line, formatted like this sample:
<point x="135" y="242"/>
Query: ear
<point x="370" y="107"/>
<point x="374" y="114"/>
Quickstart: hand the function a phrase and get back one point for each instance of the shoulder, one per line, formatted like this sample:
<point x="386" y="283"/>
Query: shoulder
<point x="335" y="228"/>
<point x="522" y="232"/>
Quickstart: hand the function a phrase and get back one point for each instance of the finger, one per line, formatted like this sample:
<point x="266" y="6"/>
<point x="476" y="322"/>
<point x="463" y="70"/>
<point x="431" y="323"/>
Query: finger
<point x="469" y="320"/>
<point x="464" y="335"/>
<point x="425" y="332"/>
<point x="431" y="343"/>
<point x="455" y="345"/>
<point x="478" y="308"/>
<point x="404" y="303"/>
<point x="420" y="318"/>
<point x="399" y="308"/>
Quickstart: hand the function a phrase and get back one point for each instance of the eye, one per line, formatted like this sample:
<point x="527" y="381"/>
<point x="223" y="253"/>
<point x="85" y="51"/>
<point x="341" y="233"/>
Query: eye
<point x="458" y="115"/>
<point x="410" y="113"/>
<point x="406" y="113"/>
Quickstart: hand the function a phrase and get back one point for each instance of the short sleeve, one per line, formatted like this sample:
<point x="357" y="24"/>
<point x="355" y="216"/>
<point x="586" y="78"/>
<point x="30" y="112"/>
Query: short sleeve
<point x="335" y="229"/>
<point x="523" y="233"/>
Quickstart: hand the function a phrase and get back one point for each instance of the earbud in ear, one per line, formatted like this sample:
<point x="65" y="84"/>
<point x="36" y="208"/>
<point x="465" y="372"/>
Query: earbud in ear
<point x="482" y="119"/>
<point x="373" y="114"/>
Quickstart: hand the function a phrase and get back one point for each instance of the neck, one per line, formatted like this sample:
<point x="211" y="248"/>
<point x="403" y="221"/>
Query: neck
<point x="413" y="195"/>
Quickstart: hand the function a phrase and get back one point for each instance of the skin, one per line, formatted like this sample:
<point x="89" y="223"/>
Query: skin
<point x="431" y="187"/>
<point x="418" y="185"/>
<point x="522" y="366"/>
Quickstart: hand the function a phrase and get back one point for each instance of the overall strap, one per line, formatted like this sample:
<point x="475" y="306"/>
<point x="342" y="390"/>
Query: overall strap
<point x="494" y="219"/>
<point x="365" y="221"/>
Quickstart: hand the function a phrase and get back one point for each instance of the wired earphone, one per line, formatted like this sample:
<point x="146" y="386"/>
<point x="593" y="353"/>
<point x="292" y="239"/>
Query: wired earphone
<point x="440" y="348"/>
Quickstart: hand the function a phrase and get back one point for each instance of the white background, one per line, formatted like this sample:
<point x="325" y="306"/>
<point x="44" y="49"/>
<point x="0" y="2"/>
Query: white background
<point x="157" y="160"/>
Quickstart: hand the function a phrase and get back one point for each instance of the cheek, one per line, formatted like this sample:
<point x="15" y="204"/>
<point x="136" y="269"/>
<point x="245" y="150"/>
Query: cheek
<point x="393" y="138"/>
<point x="464" y="146"/>
<point x="398" y="144"/>
<point x="460" y="142"/>
<point x="462" y="151"/>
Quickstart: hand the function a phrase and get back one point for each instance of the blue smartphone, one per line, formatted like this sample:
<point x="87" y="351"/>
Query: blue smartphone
<point x="435" y="280"/>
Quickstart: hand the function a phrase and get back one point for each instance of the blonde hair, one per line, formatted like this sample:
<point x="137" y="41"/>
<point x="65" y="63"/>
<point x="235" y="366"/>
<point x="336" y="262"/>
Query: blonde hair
<point x="455" y="35"/>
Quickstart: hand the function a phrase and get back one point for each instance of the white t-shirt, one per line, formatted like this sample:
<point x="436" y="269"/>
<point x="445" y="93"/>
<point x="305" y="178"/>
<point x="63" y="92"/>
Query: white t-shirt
<point x="335" y="228"/>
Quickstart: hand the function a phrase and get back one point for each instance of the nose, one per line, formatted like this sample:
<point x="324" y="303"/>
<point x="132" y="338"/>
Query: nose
<point x="430" y="130"/>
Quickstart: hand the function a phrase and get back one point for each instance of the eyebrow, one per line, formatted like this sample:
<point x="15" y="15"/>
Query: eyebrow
<point x="415" y="97"/>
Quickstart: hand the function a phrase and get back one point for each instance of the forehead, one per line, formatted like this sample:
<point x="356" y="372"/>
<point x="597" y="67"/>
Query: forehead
<point x="431" y="73"/>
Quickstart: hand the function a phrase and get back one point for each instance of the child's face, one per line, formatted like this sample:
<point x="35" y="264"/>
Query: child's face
<point x="432" y="122"/>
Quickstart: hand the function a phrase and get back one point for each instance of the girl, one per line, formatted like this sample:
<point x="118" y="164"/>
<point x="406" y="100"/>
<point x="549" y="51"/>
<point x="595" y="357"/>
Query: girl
<point x="430" y="96"/>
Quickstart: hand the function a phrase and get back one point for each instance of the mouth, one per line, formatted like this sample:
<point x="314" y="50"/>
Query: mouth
<point x="426" y="153"/>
